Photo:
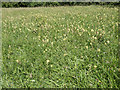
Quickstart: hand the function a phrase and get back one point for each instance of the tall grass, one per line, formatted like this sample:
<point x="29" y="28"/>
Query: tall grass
<point x="60" y="47"/>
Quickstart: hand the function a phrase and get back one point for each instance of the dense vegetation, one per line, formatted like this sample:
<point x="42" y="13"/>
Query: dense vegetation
<point x="38" y="4"/>
<point x="60" y="47"/>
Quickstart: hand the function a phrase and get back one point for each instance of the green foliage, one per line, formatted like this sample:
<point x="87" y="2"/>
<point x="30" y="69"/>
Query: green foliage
<point x="57" y="47"/>
<point x="37" y="4"/>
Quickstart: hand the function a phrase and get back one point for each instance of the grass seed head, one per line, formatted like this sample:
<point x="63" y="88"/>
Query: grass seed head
<point x="98" y="50"/>
<point x="48" y="61"/>
<point x="95" y="66"/>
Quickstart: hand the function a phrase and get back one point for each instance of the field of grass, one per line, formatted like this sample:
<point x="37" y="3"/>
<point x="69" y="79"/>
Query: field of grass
<point x="60" y="47"/>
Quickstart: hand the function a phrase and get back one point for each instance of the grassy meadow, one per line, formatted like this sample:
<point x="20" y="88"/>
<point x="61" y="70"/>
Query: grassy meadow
<point x="56" y="47"/>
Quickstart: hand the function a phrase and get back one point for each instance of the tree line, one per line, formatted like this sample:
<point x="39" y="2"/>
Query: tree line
<point x="45" y="4"/>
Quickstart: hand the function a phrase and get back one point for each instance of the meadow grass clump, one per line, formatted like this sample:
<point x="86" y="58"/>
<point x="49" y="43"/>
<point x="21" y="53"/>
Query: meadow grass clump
<point x="60" y="47"/>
